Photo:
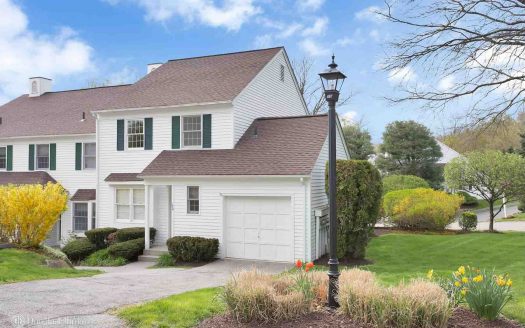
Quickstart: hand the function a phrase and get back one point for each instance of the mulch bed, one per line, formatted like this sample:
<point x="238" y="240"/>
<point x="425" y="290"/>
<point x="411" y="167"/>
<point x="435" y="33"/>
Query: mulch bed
<point x="462" y="318"/>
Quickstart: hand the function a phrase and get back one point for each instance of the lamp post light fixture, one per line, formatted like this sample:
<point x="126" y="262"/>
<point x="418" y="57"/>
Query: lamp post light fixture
<point x="332" y="80"/>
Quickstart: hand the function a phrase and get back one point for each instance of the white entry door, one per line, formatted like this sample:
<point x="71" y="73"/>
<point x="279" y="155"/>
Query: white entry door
<point x="259" y="228"/>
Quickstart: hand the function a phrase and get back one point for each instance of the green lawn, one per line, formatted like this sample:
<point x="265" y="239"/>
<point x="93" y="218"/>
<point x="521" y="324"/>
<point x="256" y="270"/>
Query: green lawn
<point x="396" y="257"/>
<point x="181" y="311"/>
<point x="20" y="265"/>
<point x="401" y="256"/>
<point x="515" y="217"/>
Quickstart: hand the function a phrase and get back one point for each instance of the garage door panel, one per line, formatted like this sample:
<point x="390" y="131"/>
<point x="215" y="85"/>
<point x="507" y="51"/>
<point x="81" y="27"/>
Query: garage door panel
<point x="259" y="228"/>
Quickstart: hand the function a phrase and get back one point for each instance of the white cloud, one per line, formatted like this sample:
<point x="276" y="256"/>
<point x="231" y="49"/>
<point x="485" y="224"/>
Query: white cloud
<point x="25" y="53"/>
<point x="375" y="35"/>
<point x="312" y="48"/>
<point x="232" y="14"/>
<point x="446" y="83"/>
<point x="263" y="41"/>
<point x="402" y="75"/>
<point x="310" y="4"/>
<point x="319" y="27"/>
<point x="348" y="118"/>
<point x="371" y="14"/>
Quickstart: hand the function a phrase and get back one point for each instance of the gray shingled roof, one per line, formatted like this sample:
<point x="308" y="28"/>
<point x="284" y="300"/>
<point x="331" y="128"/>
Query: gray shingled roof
<point x="21" y="178"/>
<point x="217" y="78"/>
<point x="271" y="146"/>
<point x="122" y="177"/>
<point x="84" y="195"/>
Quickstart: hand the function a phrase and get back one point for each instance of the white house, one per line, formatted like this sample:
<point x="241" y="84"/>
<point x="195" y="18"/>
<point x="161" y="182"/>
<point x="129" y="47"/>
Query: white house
<point x="215" y="146"/>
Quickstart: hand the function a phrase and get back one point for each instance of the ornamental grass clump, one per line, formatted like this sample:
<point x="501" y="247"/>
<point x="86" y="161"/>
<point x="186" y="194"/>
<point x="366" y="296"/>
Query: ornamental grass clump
<point x="485" y="293"/>
<point x="416" y="304"/>
<point x="256" y="296"/>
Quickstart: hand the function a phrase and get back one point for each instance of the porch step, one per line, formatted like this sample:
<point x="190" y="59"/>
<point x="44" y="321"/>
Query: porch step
<point x="156" y="251"/>
<point x="148" y="258"/>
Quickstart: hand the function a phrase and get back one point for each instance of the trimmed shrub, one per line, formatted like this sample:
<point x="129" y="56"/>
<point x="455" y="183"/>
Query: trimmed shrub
<point x="103" y="258"/>
<point x="192" y="249"/>
<point x="78" y="249"/>
<point x="129" y="250"/>
<point x="417" y="304"/>
<point x="98" y="236"/>
<point x="359" y="191"/>
<point x="469" y="200"/>
<point x="134" y="233"/>
<point x="421" y="208"/>
<point x="401" y="182"/>
<point x="468" y="221"/>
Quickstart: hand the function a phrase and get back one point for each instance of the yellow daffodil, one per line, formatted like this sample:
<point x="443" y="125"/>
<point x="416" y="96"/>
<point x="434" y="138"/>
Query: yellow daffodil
<point x="501" y="282"/>
<point x="478" y="278"/>
<point x="461" y="270"/>
<point x="430" y="273"/>
<point x="457" y="284"/>
<point x="464" y="280"/>
<point x="509" y="283"/>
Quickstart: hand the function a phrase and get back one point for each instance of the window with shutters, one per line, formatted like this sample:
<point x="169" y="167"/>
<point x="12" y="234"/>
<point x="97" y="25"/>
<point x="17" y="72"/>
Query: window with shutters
<point x="42" y="157"/>
<point x="80" y="217"/>
<point x="90" y="155"/>
<point x="135" y="132"/>
<point x="3" y="158"/>
<point x="129" y="204"/>
<point x="191" y="131"/>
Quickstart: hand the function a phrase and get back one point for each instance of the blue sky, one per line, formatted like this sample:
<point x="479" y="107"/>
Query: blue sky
<point x="75" y="42"/>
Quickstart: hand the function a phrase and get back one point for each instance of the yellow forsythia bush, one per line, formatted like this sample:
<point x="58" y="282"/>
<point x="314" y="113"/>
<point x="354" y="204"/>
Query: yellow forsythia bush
<point x="421" y="208"/>
<point x="28" y="212"/>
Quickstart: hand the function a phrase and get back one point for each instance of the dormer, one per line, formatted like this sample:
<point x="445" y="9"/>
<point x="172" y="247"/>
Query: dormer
<point x="38" y="86"/>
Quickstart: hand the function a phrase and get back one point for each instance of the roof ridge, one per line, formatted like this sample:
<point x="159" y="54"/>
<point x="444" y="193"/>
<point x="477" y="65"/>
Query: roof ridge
<point x="83" y="89"/>
<point x="290" y="117"/>
<point x="226" y="53"/>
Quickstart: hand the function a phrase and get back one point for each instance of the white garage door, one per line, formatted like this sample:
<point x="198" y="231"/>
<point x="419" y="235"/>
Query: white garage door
<point x="259" y="228"/>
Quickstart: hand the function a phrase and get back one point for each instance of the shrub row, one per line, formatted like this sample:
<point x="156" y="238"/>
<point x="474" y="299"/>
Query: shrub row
<point x="129" y="250"/>
<point x="192" y="249"/>
<point x="98" y="236"/>
<point x="126" y="234"/>
<point x="78" y="249"/>
<point x="469" y="200"/>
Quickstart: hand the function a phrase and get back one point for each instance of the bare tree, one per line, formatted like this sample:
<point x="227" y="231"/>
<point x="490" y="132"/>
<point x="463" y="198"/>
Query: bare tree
<point x="471" y="53"/>
<point x="310" y="86"/>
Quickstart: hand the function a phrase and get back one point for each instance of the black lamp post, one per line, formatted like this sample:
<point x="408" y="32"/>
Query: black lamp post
<point x="332" y="80"/>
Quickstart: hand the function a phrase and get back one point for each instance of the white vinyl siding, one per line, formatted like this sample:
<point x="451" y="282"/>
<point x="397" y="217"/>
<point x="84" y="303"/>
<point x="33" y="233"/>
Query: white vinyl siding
<point x="267" y="96"/>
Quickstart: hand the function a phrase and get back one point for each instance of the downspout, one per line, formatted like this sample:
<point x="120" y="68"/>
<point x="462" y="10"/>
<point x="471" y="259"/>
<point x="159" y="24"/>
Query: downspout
<point x="307" y="228"/>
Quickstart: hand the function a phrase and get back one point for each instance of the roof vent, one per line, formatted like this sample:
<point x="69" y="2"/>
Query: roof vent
<point x="83" y="117"/>
<point x="255" y="133"/>
<point x="152" y="67"/>
<point x="38" y="86"/>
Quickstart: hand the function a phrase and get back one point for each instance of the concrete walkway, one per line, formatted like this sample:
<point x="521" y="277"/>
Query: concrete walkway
<point x="84" y="302"/>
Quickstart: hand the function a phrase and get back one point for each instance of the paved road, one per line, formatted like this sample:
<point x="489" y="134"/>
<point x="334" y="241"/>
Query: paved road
<point x="84" y="302"/>
<point x="484" y="218"/>
<point x="484" y="215"/>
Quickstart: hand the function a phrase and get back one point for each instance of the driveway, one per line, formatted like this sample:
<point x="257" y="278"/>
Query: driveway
<point x="83" y="302"/>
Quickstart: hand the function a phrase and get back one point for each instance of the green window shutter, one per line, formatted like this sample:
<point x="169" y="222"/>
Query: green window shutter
<point x="206" y="131"/>
<point x="31" y="164"/>
<point x="120" y="134"/>
<point x="9" y="158"/>
<point x="175" y="132"/>
<point x="148" y="133"/>
<point x="52" y="156"/>
<point x="78" y="156"/>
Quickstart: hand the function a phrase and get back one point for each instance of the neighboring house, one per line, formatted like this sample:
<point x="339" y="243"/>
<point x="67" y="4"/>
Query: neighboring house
<point x="448" y="153"/>
<point x="215" y="146"/>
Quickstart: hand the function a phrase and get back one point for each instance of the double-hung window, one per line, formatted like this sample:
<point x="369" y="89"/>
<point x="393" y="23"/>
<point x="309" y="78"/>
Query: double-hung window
<point x="193" y="205"/>
<point x="129" y="204"/>
<point x="191" y="131"/>
<point x="90" y="155"/>
<point x="3" y="158"/>
<point x="135" y="134"/>
<point x="42" y="157"/>
<point x="80" y="217"/>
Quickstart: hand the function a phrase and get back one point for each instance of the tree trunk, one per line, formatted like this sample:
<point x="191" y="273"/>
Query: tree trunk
<point x="491" y="210"/>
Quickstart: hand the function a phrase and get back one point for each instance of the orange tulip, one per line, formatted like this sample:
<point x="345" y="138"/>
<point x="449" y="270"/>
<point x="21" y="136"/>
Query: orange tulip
<point x="299" y="264"/>
<point x="309" y="265"/>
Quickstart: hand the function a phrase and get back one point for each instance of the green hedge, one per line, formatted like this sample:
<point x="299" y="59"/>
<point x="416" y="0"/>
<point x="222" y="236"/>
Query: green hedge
<point x="192" y="249"/>
<point x="401" y="182"/>
<point x="359" y="191"/>
<point x="98" y="236"/>
<point x="79" y="249"/>
<point x="134" y="233"/>
<point x="469" y="200"/>
<point x="468" y="221"/>
<point x="130" y="250"/>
